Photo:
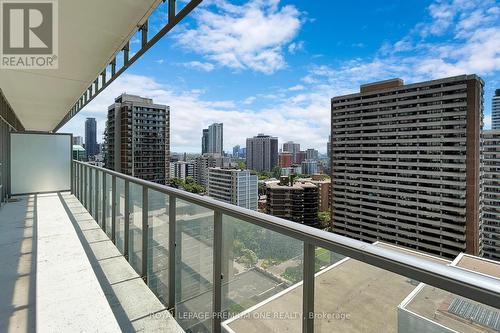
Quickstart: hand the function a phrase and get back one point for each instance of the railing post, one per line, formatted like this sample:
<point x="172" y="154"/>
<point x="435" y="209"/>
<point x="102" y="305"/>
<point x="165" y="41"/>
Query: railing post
<point x="104" y="202"/>
<point x="77" y="193"/>
<point x="82" y="199"/>
<point x="90" y="203"/>
<point x="80" y="183"/>
<point x="96" y="196"/>
<point x="171" y="11"/>
<point x="308" y="288"/>
<point x="73" y="177"/>
<point x="145" y="232"/>
<point x="113" y="209"/>
<point x="126" y="227"/>
<point x="217" y="270"/>
<point x="171" y="252"/>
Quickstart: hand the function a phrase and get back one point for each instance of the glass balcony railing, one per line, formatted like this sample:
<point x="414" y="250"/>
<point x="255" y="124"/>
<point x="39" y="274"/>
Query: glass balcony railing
<point x="222" y="268"/>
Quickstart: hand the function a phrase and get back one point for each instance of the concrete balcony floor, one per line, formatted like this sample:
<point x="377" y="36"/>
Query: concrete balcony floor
<point x="61" y="273"/>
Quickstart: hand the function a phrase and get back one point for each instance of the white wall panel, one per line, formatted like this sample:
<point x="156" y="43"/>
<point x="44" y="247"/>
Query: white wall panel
<point x="40" y="162"/>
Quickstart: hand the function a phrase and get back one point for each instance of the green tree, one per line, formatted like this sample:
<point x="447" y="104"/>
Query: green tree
<point x="324" y="220"/>
<point x="276" y="172"/>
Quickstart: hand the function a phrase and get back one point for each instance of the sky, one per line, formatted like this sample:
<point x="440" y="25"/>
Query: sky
<point x="271" y="66"/>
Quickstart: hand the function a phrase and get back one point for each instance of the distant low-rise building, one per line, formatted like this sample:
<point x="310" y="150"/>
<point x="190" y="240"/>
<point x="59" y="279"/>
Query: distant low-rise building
<point x="293" y="170"/>
<point x="237" y="187"/>
<point x="309" y="167"/>
<point x="324" y="184"/>
<point x="182" y="169"/>
<point x="79" y="153"/>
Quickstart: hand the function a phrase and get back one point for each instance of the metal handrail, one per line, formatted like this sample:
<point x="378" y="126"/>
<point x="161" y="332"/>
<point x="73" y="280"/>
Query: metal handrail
<point x="478" y="287"/>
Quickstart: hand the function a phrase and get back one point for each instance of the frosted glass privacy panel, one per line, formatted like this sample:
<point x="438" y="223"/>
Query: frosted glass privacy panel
<point x="40" y="162"/>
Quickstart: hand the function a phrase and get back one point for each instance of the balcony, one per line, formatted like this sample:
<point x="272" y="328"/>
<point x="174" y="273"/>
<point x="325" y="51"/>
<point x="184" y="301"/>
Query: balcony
<point x="90" y="249"/>
<point x="129" y="250"/>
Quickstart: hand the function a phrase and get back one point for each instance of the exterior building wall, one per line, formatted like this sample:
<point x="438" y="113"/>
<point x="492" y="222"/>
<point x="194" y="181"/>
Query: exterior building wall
<point x="495" y="110"/>
<point x="491" y="194"/>
<point x="262" y="153"/>
<point x="405" y="165"/>
<point x="216" y="139"/>
<point x="312" y="154"/>
<point x="237" y="187"/>
<point x="181" y="169"/>
<point x="286" y="160"/>
<point x="138" y="138"/>
<point x="298" y="203"/>
<point x="91" y="137"/>
<point x="309" y="167"/>
<point x="204" y="141"/>
<point x="201" y="166"/>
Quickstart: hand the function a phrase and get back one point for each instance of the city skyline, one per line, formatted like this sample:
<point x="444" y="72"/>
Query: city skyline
<point x="289" y="98"/>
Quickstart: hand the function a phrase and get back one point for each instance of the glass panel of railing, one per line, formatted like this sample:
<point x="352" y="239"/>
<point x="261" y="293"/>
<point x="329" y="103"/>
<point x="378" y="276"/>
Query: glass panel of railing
<point x="135" y="227"/>
<point x="109" y="204"/>
<point x="99" y="175"/>
<point x="158" y="256"/>
<point x="120" y="214"/>
<point x="262" y="284"/>
<point x="194" y="266"/>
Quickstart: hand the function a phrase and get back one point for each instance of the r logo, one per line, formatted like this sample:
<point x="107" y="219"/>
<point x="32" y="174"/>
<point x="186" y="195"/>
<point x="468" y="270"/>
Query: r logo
<point x="27" y="28"/>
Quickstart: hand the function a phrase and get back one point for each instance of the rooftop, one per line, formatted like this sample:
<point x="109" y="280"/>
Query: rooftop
<point x="441" y="308"/>
<point x="368" y="297"/>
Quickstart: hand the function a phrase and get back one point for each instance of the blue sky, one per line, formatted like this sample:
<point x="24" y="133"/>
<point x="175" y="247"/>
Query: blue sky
<point x="272" y="66"/>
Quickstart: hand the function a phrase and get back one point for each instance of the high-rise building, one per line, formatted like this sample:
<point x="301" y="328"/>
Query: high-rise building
<point x="495" y="110"/>
<point x="236" y="151"/>
<point x="201" y="165"/>
<point x="491" y="194"/>
<point x="291" y="147"/>
<point x="309" y="167"/>
<point x="204" y="141"/>
<point x="182" y="169"/>
<point x="91" y="137"/>
<point x="406" y="164"/>
<point x="312" y="154"/>
<point x="262" y="153"/>
<point x="237" y="187"/>
<point x="212" y="141"/>
<point x="78" y="140"/>
<point x="329" y="146"/>
<point x="285" y="159"/>
<point x="299" y="157"/>
<point x="298" y="202"/>
<point x="138" y="138"/>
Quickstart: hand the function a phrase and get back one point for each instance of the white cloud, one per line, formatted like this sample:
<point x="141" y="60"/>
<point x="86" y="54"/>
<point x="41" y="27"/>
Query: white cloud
<point x="191" y="112"/>
<point x="250" y="36"/>
<point x="201" y="66"/>
<point x="295" y="47"/>
<point x="296" y="87"/>
<point x="160" y="61"/>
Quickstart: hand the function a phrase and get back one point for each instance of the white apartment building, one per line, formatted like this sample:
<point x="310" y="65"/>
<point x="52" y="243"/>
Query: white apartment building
<point x="237" y="187"/>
